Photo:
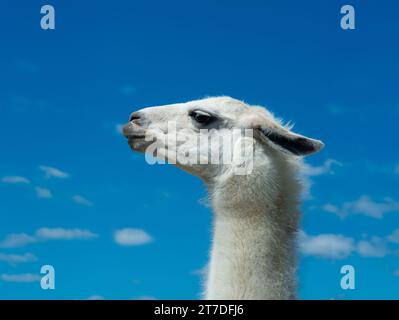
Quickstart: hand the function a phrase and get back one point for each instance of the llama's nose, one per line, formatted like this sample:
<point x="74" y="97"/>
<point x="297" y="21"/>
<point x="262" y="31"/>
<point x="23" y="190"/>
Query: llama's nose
<point x="135" y="117"/>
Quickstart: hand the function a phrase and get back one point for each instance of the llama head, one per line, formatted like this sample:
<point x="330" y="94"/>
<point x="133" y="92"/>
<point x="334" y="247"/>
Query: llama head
<point x="212" y="136"/>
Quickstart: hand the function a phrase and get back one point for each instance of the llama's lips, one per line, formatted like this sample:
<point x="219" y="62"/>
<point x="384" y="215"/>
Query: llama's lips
<point x="133" y="131"/>
<point x="135" y="136"/>
<point x="137" y="142"/>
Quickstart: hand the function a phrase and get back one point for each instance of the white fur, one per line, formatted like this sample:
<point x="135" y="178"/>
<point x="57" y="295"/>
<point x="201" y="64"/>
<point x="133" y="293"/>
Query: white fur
<point x="256" y="216"/>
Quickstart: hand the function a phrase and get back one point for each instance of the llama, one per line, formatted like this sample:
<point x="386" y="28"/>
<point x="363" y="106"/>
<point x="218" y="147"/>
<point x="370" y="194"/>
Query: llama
<point x="255" y="215"/>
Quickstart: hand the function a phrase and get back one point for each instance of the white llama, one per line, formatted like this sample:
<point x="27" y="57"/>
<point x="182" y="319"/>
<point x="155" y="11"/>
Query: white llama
<point x="256" y="215"/>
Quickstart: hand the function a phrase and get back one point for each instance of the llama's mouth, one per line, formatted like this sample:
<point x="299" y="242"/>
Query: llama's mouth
<point x="135" y="136"/>
<point x="133" y="131"/>
<point x="137" y="142"/>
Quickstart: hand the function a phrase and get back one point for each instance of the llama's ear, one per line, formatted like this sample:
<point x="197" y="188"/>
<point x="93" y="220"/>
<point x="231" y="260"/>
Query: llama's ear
<point x="270" y="131"/>
<point x="294" y="143"/>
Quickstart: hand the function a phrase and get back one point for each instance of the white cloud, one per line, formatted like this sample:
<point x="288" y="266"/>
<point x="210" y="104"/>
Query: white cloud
<point x="64" y="234"/>
<point x="15" y="179"/>
<point x="82" y="200"/>
<point x="43" y="193"/>
<point x="396" y="273"/>
<point x="396" y="169"/>
<point x="16" y="240"/>
<point x="309" y="171"/>
<point x="333" y="246"/>
<point x="394" y="236"/>
<point x="376" y="247"/>
<point x="326" y="167"/>
<point x="46" y="234"/>
<point x="330" y="246"/>
<point x="51" y="172"/>
<point x="364" y="206"/>
<point x="332" y="209"/>
<point x="20" y="278"/>
<point x="14" y="259"/>
<point x="131" y="237"/>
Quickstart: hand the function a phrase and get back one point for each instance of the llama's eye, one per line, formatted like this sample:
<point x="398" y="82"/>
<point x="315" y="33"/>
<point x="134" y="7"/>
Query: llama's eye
<point x="202" y="117"/>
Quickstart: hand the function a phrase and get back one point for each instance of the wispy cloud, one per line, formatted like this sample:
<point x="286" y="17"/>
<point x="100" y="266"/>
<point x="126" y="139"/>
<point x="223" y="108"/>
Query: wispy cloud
<point x="15" y="179"/>
<point x="131" y="237"/>
<point x="308" y="172"/>
<point x="331" y="246"/>
<point x="82" y="200"/>
<point x="337" y="246"/>
<point x="43" y="193"/>
<point x="326" y="167"/>
<point x="396" y="273"/>
<point x="396" y="169"/>
<point x="64" y="234"/>
<point x="51" y="172"/>
<point x="394" y="237"/>
<point x="363" y="206"/>
<point x="16" y="240"/>
<point x="46" y="234"/>
<point x="14" y="259"/>
<point x="20" y="278"/>
<point x="376" y="247"/>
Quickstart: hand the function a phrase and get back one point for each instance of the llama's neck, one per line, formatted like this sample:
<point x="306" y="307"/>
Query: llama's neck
<point x="253" y="255"/>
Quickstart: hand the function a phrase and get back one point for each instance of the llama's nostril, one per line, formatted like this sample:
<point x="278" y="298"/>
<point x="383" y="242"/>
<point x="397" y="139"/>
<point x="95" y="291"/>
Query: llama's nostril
<point x="134" y="116"/>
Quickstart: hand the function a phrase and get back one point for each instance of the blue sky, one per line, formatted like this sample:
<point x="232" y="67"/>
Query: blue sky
<point x="114" y="226"/>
